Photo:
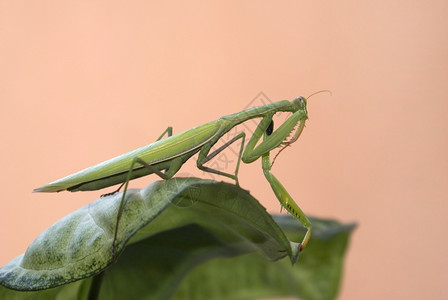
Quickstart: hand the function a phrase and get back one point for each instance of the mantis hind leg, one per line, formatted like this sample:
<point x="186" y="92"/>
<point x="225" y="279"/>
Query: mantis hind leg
<point x="204" y="157"/>
<point x="286" y="200"/>
<point x="174" y="167"/>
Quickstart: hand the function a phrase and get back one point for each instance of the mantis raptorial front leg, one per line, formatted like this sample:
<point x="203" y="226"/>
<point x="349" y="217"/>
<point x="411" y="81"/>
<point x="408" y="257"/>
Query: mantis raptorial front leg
<point x="271" y="140"/>
<point x="282" y="194"/>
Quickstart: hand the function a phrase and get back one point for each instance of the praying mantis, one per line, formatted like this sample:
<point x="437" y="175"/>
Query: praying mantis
<point x="167" y="155"/>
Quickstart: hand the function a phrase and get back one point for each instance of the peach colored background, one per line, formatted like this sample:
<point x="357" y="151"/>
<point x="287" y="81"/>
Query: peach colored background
<point x="83" y="81"/>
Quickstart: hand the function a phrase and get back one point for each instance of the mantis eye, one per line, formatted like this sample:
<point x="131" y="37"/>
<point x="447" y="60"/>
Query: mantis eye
<point x="270" y="128"/>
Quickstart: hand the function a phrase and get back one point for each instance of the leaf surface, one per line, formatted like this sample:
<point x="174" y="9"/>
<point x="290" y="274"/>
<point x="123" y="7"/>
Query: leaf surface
<point x="167" y="230"/>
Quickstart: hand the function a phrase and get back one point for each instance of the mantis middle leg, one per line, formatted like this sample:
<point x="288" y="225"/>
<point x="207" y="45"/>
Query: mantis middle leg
<point x="204" y="157"/>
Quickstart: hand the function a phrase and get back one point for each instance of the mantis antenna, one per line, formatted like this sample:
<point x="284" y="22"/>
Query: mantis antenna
<point x="318" y="92"/>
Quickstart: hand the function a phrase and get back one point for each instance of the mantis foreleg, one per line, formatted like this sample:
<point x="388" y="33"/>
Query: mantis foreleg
<point x="271" y="140"/>
<point x="282" y="194"/>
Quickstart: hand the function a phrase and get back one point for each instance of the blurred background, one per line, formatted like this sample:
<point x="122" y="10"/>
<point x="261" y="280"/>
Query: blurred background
<point x="83" y="81"/>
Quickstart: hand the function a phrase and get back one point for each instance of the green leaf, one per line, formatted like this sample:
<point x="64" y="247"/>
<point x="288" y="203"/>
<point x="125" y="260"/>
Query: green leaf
<point x="167" y="229"/>
<point x="316" y="276"/>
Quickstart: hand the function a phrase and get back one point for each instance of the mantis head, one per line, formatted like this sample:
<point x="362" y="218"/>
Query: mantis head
<point x="299" y="103"/>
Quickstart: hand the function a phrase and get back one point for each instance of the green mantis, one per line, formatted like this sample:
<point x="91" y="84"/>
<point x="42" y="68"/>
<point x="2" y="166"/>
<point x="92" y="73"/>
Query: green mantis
<point x="167" y="155"/>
